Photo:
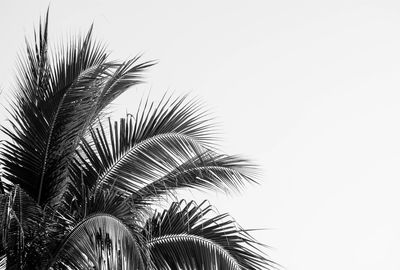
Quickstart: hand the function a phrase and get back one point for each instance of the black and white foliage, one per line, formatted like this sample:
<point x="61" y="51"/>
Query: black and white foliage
<point x="78" y="189"/>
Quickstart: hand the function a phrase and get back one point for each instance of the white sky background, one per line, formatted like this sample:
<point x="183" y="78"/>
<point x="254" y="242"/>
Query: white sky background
<point x="307" y="89"/>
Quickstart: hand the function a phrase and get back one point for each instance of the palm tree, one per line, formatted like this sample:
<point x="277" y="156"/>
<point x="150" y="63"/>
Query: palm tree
<point x="78" y="190"/>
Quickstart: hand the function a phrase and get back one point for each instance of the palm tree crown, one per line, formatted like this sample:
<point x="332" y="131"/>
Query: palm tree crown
<point x="78" y="190"/>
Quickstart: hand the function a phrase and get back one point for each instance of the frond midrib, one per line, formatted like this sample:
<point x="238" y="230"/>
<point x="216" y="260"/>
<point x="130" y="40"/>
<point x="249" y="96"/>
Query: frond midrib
<point x="195" y="238"/>
<point x="53" y="122"/>
<point x="103" y="177"/>
<point x="198" y="168"/>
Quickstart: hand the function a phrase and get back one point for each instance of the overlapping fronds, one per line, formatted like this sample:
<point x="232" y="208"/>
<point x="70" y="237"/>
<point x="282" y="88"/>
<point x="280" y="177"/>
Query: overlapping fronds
<point x="108" y="202"/>
<point x="100" y="242"/>
<point x="138" y="149"/>
<point x="186" y="237"/>
<point x="164" y="147"/>
<point x="21" y="225"/>
<point x="76" y="190"/>
<point x="58" y="98"/>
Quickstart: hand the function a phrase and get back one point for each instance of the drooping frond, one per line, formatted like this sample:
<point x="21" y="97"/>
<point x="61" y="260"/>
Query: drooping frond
<point x="186" y="237"/>
<point x="58" y="98"/>
<point x="208" y="171"/>
<point x="137" y="149"/>
<point x="163" y="148"/>
<point x="102" y="242"/>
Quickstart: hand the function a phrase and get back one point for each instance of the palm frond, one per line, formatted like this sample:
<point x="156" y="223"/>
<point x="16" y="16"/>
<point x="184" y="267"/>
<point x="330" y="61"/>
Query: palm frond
<point x="100" y="241"/>
<point x="109" y="202"/>
<point x="186" y="237"/>
<point x="58" y="98"/>
<point x="126" y="74"/>
<point x="76" y="192"/>
<point x="208" y="171"/>
<point x="136" y="149"/>
<point x="160" y="150"/>
<point x="34" y="67"/>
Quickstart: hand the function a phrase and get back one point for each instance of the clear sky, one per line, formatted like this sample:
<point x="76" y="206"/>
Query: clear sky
<point x="307" y="89"/>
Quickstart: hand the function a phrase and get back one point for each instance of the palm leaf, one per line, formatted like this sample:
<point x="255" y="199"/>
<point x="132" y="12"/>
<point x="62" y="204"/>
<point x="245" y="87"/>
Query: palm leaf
<point x="163" y="148"/>
<point x="75" y="194"/>
<point x="58" y="98"/>
<point x="172" y="131"/>
<point x="109" y="202"/>
<point x="100" y="241"/>
<point x="208" y="171"/>
<point x="186" y="237"/>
